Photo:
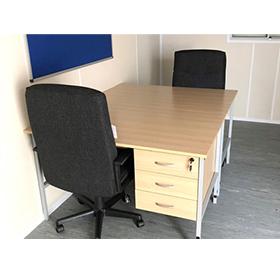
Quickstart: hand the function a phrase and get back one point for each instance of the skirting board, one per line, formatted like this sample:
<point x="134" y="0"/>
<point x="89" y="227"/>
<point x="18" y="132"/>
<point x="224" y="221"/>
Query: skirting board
<point x="255" y="120"/>
<point x="58" y="202"/>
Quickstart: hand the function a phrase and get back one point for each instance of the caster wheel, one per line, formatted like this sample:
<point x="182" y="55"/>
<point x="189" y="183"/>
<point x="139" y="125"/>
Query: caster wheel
<point x="126" y="198"/>
<point x="140" y="223"/>
<point x="59" y="228"/>
<point x="197" y="237"/>
<point x="214" y="199"/>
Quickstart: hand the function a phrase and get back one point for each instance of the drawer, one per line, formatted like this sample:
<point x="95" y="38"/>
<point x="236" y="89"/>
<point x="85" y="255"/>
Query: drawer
<point x="164" y="204"/>
<point x="166" y="163"/>
<point x="166" y="184"/>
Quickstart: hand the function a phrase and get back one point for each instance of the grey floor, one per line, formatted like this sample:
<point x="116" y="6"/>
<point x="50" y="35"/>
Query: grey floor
<point x="248" y="206"/>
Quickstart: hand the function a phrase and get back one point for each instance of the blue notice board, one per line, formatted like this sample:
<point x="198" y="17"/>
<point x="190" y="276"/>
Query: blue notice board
<point x="52" y="53"/>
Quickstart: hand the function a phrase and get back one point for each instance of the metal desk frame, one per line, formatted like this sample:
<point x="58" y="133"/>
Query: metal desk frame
<point x="222" y="154"/>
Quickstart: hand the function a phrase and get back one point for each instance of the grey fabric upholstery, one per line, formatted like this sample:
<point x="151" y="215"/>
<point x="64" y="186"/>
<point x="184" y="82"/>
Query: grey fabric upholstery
<point x="199" y="69"/>
<point x="72" y="130"/>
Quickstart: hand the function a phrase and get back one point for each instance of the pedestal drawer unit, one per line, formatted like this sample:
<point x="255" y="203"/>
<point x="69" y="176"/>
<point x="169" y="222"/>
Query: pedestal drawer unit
<point x="166" y="183"/>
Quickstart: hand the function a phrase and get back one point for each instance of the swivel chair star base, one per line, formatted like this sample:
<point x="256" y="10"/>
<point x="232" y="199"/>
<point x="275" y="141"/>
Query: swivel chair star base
<point x="98" y="210"/>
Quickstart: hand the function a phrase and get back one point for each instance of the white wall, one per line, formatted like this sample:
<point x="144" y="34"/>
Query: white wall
<point x="148" y="49"/>
<point x="20" y="208"/>
<point x="252" y="69"/>
<point x="20" y="204"/>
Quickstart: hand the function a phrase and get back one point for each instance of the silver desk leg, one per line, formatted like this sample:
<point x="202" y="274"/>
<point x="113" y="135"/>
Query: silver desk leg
<point x="229" y="134"/>
<point x="199" y="198"/>
<point x="40" y="178"/>
<point x="218" y="162"/>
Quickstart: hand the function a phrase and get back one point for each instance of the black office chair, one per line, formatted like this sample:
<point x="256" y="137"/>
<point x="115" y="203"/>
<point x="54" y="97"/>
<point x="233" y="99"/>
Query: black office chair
<point x="74" y="140"/>
<point x="199" y="69"/>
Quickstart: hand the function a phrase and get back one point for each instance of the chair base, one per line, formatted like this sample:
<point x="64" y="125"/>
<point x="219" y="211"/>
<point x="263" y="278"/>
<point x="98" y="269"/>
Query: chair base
<point x="99" y="209"/>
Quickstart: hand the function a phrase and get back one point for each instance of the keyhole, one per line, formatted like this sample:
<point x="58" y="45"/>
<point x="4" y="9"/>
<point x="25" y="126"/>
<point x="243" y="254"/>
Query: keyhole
<point x="191" y="160"/>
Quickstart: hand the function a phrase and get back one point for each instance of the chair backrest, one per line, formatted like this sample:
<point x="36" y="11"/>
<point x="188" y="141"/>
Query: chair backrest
<point x="72" y="130"/>
<point x="199" y="69"/>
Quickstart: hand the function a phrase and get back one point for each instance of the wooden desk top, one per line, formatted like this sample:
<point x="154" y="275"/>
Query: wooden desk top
<point x="162" y="118"/>
<point x="169" y="119"/>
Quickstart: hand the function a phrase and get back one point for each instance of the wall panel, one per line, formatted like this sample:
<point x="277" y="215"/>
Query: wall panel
<point x="263" y="77"/>
<point x="148" y="50"/>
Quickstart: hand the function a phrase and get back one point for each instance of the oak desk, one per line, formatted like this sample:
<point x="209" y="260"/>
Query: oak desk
<point x="177" y="137"/>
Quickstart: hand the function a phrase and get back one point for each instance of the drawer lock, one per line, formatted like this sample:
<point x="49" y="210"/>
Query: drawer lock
<point x="191" y="160"/>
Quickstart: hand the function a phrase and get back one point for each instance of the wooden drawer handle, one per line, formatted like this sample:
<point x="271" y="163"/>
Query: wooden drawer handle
<point x="164" y="185"/>
<point x="164" y="205"/>
<point x="163" y="163"/>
